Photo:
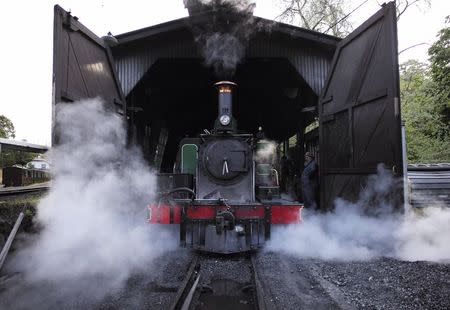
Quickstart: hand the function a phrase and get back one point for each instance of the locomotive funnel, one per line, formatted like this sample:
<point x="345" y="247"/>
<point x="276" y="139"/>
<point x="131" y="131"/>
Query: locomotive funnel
<point x="225" y="121"/>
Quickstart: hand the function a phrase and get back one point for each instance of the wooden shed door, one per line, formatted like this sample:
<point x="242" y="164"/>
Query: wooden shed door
<point x="359" y="109"/>
<point x="82" y="65"/>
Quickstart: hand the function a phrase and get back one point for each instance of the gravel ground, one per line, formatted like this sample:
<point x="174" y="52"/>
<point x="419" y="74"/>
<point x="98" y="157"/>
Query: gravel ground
<point x="288" y="283"/>
<point x="153" y="289"/>
<point x="391" y="284"/>
<point x="293" y="283"/>
<point x="291" y="286"/>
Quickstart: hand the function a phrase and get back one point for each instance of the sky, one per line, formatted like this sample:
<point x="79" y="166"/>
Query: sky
<point x="26" y="31"/>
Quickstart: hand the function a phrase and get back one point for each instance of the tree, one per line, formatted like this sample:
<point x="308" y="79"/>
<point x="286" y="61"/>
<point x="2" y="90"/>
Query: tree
<point x="439" y="54"/>
<point x="403" y="5"/>
<point x="427" y="136"/>
<point x="330" y="16"/>
<point x="11" y="157"/>
<point x="6" y="128"/>
<point x="318" y="15"/>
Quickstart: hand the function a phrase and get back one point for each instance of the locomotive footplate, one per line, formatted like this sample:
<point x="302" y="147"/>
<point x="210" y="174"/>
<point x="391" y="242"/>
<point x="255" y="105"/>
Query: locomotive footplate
<point x="225" y="229"/>
<point x="221" y="228"/>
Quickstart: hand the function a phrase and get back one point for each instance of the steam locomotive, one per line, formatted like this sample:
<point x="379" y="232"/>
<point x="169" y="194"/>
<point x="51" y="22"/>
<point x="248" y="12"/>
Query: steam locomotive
<point x="224" y="193"/>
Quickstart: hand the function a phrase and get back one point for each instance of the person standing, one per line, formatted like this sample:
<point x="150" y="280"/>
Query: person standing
<point x="284" y="172"/>
<point x="309" y="181"/>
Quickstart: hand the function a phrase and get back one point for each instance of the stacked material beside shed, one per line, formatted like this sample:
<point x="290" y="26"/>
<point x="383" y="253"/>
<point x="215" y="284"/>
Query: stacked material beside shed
<point x="21" y="176"/>
<point x="429" y="184"/>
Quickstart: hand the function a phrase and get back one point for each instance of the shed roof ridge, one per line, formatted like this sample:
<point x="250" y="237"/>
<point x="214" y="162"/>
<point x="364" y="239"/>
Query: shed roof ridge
<point x="184" y="22"/>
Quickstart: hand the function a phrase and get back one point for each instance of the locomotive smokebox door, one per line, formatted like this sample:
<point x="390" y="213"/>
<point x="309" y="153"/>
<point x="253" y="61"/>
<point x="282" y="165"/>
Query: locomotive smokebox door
<point x="226" y="159"/>
<point x="359" y="110"/>
<point x="226" y="168"/>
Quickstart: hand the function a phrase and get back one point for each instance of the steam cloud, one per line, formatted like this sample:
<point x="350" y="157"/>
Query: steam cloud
<point x="94" y="219"/>
<point x="223" y="42"/>
<point x="223" y="51"/>
<point x="267" y="153"/>
<point x="355" y="232"/>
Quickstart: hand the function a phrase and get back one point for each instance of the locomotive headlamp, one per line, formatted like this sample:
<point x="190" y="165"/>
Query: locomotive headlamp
<point x="225" y="120"/>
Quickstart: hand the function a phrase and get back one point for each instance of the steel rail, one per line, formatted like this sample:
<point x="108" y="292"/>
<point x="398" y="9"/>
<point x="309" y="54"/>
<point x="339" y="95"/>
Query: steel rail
<point x="20" y="191"/>
<point x="187" y="289"/>
<point x="261" y="302"/>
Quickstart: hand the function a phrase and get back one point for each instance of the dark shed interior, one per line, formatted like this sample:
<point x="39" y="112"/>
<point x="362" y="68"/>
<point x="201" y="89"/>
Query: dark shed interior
<point x="178" y="96"/>
<point x="279" y="80"/>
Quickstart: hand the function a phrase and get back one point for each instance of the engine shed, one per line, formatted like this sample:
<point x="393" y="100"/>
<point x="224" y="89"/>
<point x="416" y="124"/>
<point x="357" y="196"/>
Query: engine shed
<point x="163" y="76"/>
<point x="288" y="78"/>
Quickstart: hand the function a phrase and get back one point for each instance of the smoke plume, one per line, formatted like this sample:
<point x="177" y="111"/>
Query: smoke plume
<point x="223" y="40"/>
<point x="238" y="5"/>
<point x="223" y="51"/>
<point x="94" y="231"/>
<point x="354" y="231"/>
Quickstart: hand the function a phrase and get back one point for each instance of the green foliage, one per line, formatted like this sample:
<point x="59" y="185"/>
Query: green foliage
<point x="425" y="91"/>
<point x="6" y="128"/>
<point x="10" y="158"/>
<point x="427" y="132"/>
<point x="439" y="54"/>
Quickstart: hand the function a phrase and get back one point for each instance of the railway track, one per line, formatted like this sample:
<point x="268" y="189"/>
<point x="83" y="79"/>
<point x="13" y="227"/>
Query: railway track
<point x="17" y="191"/>
<point x="221" y="283"/>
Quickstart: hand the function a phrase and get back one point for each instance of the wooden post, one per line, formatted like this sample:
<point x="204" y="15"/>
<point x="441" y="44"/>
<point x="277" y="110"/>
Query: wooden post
<point x="10" y="240"/>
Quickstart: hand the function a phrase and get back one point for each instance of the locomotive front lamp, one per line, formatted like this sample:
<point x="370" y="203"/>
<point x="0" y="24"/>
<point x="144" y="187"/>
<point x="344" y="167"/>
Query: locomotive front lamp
<point x="225" y="120"/>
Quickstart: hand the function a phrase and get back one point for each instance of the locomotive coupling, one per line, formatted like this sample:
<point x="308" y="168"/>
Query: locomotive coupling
<point x="225" y="220"/>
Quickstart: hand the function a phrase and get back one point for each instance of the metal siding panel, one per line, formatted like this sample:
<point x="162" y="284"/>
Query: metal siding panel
<point x="133" y="63"/>
<point x="311" y="63"/>
<point x="429" y="185"/>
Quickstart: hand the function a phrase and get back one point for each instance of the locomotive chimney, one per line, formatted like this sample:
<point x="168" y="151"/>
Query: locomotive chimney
<point x="225" y="121"/>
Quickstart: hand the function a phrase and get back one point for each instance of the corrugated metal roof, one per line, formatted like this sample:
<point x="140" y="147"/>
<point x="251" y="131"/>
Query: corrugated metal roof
<point x="308" y="51"/>
<point x="132" y="64"/>
<point x="312" y="63"/>
<point x="22" y="146"/>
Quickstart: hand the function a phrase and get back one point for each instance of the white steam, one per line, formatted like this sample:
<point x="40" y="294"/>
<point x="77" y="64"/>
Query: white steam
<point x="266" y="151"/>
<point x="223" y="51"/>
<point x="353" y="231"/>
<point x="223" y="41"/>
<point x="94" y="218"/>
<point x="425" y="236"/>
